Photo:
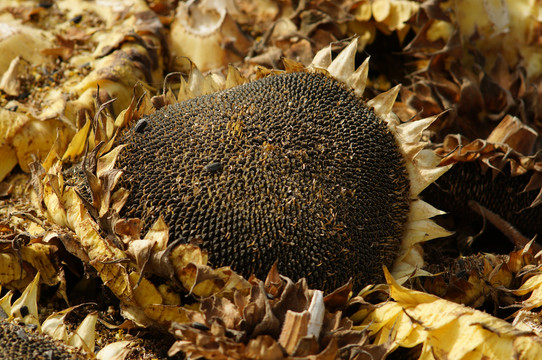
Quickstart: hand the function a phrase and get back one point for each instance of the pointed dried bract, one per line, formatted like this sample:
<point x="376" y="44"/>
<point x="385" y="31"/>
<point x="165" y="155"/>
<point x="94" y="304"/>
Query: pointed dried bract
<point x="422" y="168"/>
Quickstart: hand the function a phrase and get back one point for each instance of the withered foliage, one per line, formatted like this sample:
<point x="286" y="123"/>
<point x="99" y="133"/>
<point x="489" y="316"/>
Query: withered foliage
<point x="477" y="73"/>
<point x="476" y="61"/>
<point x="501" y="180"/>
<point x="474" y="65"/>
<point x="275" y="319"/>
<point x="55" y="63"/>
<point x="481" y="280"/>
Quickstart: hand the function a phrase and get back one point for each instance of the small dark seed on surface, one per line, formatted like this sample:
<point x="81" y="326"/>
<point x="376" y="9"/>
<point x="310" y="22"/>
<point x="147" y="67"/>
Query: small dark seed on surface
<point x="140" y="126"/>
<point x="17" y="343"/>
<point x="23" y="95"/>
<point x="213" y="167"/>
<point x="200" y="326"/>
<point x="77" y="19"/>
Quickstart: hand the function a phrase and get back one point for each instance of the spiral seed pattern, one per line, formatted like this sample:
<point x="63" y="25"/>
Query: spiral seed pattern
<point x="291" y="168"/>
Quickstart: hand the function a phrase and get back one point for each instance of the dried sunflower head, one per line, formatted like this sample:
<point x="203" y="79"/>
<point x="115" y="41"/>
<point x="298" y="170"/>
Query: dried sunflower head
<point x="294" y="167"/>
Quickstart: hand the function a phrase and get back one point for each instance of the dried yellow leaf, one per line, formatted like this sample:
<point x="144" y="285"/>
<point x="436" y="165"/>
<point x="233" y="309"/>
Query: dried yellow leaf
<point x="29" y="301"/>
<point x="20" y="40"/>
<point x="400" y="12"/>
<point x="446" y="329"/>
<point x="381" y="9"/>
<point x="77" y="144"/>
<point x="363" y="11"/>
<point x="533" y="285"/>
<point x="145" y="293"/>
<point x="39" y="256"/>
<point x="9" y="160"/>
<point x="85" y="334"/>
<point x="36" y="138"/>
<point x="10" y="268"/>
<point x="167" y="314"/>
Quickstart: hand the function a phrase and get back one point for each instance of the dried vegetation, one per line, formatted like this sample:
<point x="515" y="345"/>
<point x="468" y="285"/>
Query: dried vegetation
<point x="475" y="64"/>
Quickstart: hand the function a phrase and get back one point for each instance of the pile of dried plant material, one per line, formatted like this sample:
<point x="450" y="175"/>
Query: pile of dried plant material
<point x="84" y="282"/>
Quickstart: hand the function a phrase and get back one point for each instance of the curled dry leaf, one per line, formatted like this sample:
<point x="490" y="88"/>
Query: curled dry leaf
<point x="275" y="319"/>
<point x="482" y="279"/>
<point x="474" y="70"/>
<point x="27" y="245"/>
<point x="446" y="329"/>
<point x="52" y="336"/>
<point x="10" y="82"/>
<point x="510" y="143"/>
<point x="386" y="16"/>
<point x="533" y="287"/>
<point x="528" y="321"/>
<point x="206" y="33"/>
